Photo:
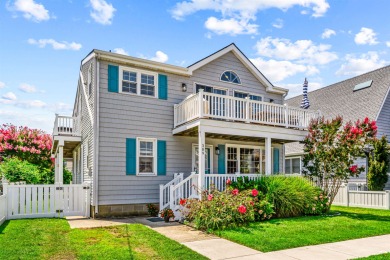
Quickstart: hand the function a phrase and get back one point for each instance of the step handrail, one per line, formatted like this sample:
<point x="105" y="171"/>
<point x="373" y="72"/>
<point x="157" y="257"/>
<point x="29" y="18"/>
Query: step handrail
<point x="165" y="190"/>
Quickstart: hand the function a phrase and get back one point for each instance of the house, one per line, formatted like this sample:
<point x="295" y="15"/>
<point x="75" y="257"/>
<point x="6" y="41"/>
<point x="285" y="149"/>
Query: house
<point x="136" y="123"/>
<point x="354" y="99"/>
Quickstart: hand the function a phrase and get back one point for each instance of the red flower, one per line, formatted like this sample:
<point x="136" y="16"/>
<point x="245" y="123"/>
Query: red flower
<point x="353" y="168"/>
<point x="228" y="182"/>
<point x="255" y="193"/>
<point x="210" y="197"/>
<point x="366" y="120"/>
<point x="373" y="125"/>
<point x="183" y="202"/>
<point x="242" y="209"/>
<point x="235" y="191"/>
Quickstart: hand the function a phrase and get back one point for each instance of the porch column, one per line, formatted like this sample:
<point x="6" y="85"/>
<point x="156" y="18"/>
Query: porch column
<point x="60" y="164"/>
<point x="201" y="159"/>
<point x="268" y="158"/>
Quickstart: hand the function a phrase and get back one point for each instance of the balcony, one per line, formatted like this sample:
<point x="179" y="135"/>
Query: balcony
<point x="66" y="126"/>
<point x="226" y="108"/>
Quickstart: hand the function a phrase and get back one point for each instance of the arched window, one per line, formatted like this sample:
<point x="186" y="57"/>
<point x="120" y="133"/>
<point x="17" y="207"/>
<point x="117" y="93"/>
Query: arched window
<point x="230" y="76"/>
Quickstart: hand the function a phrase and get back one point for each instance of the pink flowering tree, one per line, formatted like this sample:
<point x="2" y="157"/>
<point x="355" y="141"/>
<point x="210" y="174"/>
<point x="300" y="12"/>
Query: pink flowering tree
<point x="331" y="149"/>
<point x="27" y="144"/>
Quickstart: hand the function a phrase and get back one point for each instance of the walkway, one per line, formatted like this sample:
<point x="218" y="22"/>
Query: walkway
<point x="217" y="248"/>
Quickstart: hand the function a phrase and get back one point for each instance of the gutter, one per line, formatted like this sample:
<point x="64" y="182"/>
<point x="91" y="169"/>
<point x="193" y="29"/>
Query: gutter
<point x="96" y="140"/>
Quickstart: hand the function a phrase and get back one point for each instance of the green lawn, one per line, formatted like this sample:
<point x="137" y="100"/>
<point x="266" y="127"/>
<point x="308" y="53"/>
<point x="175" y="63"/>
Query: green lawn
<point x="376" y="257"/>
<point x="277" y="234"/>
<point x="53" y="239"/>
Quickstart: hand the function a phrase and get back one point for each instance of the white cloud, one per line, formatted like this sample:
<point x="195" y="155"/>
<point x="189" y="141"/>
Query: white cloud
<point x="388" y="44"/>
<point x="278" y="23"/>
<point x="297" y="89"/>
<point x="31" y="104"/>
<point x="303" y="51"/>
<point x="327" y="33"/>
<point x="366" y="36"/>
<point x="238" y="15"/>
<point x="358" y="65"/>
<point x="31" y="10"/>
<point x="102" y="12"/>
<point x="277" y="71"/>
<point x="27" y="88"/>
<point x="160" y="57"/>
<point x="230" y="26"/>
<point x="55" y="44"/>
<point x="9" y="96"/>
<point x="2" y="85"/>
<point x="120" y="51"/>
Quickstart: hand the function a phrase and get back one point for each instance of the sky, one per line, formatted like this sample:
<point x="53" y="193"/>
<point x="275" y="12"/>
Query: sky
<point x="42" y="43"/>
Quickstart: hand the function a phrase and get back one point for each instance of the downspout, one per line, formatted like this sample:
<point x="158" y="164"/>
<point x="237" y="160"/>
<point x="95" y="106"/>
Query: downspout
<point x="96" y="139"/>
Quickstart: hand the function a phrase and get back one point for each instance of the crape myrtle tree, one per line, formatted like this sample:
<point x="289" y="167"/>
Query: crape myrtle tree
<point x="25" y="155"/>
<point x="330" y="149"/>
<point x="378" y="165"/>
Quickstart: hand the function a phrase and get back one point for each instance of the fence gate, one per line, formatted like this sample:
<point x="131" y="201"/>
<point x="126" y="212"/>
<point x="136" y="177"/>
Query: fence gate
<point x="41" y="201"/>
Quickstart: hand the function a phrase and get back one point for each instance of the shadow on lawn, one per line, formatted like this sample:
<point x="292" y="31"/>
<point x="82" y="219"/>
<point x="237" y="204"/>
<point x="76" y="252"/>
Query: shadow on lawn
<point x="3" y="227"/>
<point x="364" y="216"/>
<point x="131" y="255"/>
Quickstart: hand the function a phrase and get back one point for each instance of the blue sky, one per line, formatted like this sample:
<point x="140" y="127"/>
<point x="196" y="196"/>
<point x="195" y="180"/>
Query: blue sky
<point x="42" y="42"/>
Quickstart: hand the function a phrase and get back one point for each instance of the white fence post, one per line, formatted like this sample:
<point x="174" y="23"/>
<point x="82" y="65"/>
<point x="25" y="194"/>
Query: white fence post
<point x="346" y="194"/>
<point x="247" y="116"/>
<point x="161" y="196"/>
<point x="286" y="115"/>
<point x="387" y="199"/>
<point x="87" y="203"/>
<point x="201" y="104"/>
<point x="171" y="198"/>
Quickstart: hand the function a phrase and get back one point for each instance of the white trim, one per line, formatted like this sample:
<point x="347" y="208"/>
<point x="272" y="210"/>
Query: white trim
<point x="211" y="147"/>
<point x="249" y="93"/>
<point x="211" y="86"/>
<point x="383" y="103"/>
<point x="95" y="181"/>
<point x="146" y="139"/>
<point x="245" y="61"/>
<point x="291" y="166"/>
<point x="86" y="99"/>
<point x="138" y="81"/>
<point x="89" y="57"/>
<point x="239" y="84"/>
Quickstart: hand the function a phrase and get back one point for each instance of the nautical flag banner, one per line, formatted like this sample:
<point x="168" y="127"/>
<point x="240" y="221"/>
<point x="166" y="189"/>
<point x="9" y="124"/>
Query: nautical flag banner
<point x="305" y="100"/>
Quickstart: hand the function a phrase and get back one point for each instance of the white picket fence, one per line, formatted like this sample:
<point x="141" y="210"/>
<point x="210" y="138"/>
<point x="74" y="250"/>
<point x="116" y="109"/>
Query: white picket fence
<point x="44" y="201"/>
<point x="363" y="199"/>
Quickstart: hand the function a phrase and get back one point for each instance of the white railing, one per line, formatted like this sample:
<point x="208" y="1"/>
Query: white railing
<point x="187" y="188"/>
<point x="165" y="190"/>
<point x="218" y="181"/>
<point x="364" y="199"/>
<point x="39" y="201"/>
<point x="67" y="125"/>
<point x="210" y="105"/>
<point x="3" y="208"/>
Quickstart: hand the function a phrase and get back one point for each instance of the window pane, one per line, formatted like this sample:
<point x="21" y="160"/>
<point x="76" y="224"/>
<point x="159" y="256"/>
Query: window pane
<point x="129" y="76"/>
<point x="147" y="79"/>
<point x="230" y="76"/>
<point x="249" y="160"/>
<point x="287" y="166"/>
<point x="147" y="90"/>
<point x="220" y="91"/>
<point x="146" y="148"/>
<point x="205" y="88"/>
<point x="129" y="87"/>
<point x="254" y="97"/>
<point x="296" y="163"/>
<point x="146" y="164"/>
<point x="232" y="160"/>
<point x="240" y="94"/>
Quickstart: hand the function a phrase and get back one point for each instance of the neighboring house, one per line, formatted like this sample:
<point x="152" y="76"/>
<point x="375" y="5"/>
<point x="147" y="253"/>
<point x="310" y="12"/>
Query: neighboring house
<point x="136" y="122"/>
<point x="354" y="99"/>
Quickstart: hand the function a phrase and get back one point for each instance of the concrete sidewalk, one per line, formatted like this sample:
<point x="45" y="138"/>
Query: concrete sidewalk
<point x="217" y="248"/>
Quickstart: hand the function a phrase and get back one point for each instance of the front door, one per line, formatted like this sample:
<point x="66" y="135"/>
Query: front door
<point x="195" y="159"/>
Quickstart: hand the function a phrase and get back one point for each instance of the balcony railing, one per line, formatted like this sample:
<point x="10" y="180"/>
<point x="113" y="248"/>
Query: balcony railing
<point x="67" y="125"/>
<point x="210" y="105"/>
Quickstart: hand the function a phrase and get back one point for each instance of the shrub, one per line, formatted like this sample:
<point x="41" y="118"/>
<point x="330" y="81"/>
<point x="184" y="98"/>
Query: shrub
<point x="290" y="196"/>
<point x="152" y="210"/>
<point x="220" y="210"/>
<point x="14" y="170"/>
<point x="379" y="165"/>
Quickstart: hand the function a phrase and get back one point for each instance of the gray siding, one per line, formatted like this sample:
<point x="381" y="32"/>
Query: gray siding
<point x="383" y="120"/>
<point x="124" y="116"/>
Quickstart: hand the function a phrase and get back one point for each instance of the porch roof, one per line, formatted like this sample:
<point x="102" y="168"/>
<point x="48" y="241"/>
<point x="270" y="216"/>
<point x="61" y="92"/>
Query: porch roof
<point x="239" y="131"/>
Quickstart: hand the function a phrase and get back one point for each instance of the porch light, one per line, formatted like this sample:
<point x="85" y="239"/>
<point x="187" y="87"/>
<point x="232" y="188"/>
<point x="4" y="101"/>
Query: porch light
<point x="184" y="87"/>
<point x="216" y="151"/>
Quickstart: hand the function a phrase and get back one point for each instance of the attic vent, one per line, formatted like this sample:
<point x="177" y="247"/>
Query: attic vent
<point x="363" y="85"/>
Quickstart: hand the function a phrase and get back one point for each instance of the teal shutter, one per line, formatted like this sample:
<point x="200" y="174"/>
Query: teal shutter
<point x="276" y="160"/>
<point x="221" y="159"/>
<point x="113" y="78"/>
<point x="161" y="157"/>
<point x="131" y="156"/>
<point x="162" y="86"/>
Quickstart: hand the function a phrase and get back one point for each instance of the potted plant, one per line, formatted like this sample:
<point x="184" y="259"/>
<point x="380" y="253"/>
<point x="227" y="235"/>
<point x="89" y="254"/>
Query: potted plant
<point x="166" y="214"/>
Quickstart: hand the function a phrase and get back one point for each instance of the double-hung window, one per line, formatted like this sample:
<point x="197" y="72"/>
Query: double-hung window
<point x="293" y="165"/>
<point x="245" y="159"/>
<point x="147" y="156"/>
<point x="245" y="95"/>
<point x="209" y="89"/>
<point x="138" y="82"/>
